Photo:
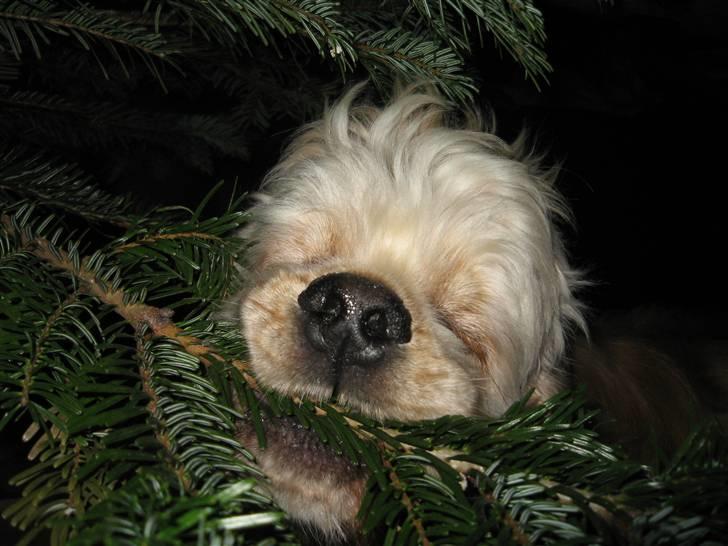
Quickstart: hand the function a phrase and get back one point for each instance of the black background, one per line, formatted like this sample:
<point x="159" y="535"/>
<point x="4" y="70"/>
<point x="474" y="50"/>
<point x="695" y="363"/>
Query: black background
<point x="637" y="108"/>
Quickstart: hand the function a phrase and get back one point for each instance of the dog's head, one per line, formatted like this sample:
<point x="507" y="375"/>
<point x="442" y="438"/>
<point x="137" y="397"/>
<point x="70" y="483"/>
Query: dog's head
<point x="406" y="267"/>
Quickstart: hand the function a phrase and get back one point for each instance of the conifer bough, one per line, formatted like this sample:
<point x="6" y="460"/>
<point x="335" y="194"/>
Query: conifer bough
<point x="129" y="392"/>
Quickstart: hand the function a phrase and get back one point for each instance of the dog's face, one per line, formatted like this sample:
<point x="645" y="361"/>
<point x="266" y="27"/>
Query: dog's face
<point x="406" y="268"/>
<point x="376" y="218"/>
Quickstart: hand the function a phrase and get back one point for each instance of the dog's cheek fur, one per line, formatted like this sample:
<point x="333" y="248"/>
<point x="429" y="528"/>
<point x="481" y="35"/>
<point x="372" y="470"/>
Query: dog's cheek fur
<point x="432" y="376"/>
<point x="273" y="330"/>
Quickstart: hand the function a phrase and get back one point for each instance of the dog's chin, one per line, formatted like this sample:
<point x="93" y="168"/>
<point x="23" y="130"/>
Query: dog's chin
<point x="318" y="488"/>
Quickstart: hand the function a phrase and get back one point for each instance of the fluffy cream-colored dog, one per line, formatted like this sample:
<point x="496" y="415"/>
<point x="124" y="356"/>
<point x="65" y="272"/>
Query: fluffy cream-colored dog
<point x="407" y="267"/>
<point x="410" y="269"/>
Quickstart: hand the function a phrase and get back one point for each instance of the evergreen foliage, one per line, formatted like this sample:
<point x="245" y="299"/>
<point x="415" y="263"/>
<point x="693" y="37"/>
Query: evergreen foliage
<point x="130" y="416"/>
<point x="114" y="84"/>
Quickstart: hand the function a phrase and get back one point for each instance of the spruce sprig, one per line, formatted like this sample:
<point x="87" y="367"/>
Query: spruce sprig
<point x="515" y="25"/>
<point x="33" y="23"/>
<point x="399" y="51"/>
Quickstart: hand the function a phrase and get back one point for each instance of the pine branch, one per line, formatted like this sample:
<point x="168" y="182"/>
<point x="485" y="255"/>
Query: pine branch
<point x="36" y="20"/>
<point x="51" y="182"/>
<point x="398" y="51"/>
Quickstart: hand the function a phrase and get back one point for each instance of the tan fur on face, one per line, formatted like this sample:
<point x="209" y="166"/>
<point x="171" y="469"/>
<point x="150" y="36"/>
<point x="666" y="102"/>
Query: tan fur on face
<point x="420" y="383"/>
<point x="455" y="223"/>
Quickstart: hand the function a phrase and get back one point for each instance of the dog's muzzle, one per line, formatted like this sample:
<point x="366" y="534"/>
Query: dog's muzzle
<point x="352" y="319"/>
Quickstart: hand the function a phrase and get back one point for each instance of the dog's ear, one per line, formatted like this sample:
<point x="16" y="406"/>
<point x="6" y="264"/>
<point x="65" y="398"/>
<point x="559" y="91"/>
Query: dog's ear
<point x="656" y="375"/>
<point x="647" y="403"/>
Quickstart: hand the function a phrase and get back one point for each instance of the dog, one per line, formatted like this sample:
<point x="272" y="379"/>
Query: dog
<point x="409" y="264"/>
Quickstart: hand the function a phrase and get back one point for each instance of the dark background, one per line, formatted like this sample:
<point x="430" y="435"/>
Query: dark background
<point x="637" y="109"/>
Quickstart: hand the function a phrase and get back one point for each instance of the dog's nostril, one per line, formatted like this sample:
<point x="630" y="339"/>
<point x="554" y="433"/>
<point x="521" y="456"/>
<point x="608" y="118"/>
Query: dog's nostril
<point x="390" y="324"/>
<point x="375" y="325"/>
<point x="353" y="319"/>
<point x="332" y="308"/>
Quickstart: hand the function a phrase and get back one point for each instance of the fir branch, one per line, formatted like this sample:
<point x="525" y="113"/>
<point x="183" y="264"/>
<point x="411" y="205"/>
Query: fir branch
<point x="151" y="239"/>
<point x="49" y="181"/>
<point x="317" y="19"/>
<point x="33" y="361"/>
<point x="36" y="19"/>
<point x="63" y="348"/>
<point x="229" y="21"/>
<point x="398" y="51"/>
<point x="451" y="26"/>
<point x="138" y="315"/>
<point x="407" y="501"/>
<point x="151" y="509"/>
<point x="87" y="271"/>
<point x="517" y="532"/>
<point x="191" y="427"/>
<point x="518" y="26"/>
<point x="194" y="429"/>
<point x="153" y="406"/>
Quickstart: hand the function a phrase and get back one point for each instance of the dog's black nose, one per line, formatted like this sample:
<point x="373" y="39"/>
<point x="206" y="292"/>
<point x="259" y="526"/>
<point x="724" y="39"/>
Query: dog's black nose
<point x="353" y="319"/>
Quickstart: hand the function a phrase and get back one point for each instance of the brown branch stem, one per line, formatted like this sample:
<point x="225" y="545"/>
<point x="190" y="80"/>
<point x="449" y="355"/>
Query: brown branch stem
<point x="166" y="236"/>
<point x="409" y="505"/>
<point x="159" y="320"/>
<point x="160" y="432"/>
